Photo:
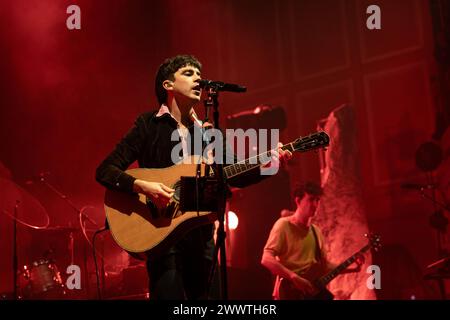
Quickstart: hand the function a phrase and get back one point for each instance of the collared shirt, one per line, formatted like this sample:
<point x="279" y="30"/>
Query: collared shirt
<point x="183" y="132"/>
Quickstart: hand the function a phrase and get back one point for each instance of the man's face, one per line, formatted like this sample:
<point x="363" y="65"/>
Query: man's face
<point x="309" y="204"/>
<point x="185" y="87"/>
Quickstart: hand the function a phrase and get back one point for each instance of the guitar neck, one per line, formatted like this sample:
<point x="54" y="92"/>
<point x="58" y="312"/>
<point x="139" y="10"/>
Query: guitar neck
<point x="252" y="162"/>
<point x="313" y="141"/>
<point x="324" y="280"/>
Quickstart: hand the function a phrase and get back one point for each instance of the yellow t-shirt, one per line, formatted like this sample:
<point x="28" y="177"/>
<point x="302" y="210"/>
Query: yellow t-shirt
<point x="295" y="247"/>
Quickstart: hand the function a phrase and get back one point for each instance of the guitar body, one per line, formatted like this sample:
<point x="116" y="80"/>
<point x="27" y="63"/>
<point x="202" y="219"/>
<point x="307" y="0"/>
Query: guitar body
<point x="141" y="228"/>
<point x="287" y="291"/>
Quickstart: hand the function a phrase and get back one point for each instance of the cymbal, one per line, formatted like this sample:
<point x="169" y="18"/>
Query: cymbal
<point x="29" y="212"/>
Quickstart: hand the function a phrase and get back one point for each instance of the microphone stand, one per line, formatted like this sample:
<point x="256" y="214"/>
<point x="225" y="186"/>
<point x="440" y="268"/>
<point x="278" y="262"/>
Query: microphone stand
<point x="212" y="101"/>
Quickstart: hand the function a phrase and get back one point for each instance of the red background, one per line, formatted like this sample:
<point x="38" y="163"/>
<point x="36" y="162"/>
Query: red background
<point x="67" y="96"/>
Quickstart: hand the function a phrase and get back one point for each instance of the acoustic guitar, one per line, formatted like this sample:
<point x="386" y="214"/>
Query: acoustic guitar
<point x="142" y="228"/>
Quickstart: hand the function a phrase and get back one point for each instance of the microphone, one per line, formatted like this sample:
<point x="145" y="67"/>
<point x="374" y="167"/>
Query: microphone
<point x="221" y="86"/>
<point x="416" y="186"/>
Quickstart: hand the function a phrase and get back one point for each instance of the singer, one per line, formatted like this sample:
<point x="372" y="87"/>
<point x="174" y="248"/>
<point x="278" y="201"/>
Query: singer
<point x="181" y="272"/>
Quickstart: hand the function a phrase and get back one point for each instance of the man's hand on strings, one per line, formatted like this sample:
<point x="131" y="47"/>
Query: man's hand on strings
<point x="360" y="260"/>
<point x="283" y="155"/>
<point x="303" y="285"/>
<point x="158" y="192"/>
<point x="278" y="157"/>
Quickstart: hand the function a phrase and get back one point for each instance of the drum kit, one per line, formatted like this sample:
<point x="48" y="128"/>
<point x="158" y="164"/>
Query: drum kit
<point x="39" y="278"/>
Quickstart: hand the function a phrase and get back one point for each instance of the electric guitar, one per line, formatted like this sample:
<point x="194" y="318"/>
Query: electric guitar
<point x="142" y="228"/>
<point x="287" y="291"/>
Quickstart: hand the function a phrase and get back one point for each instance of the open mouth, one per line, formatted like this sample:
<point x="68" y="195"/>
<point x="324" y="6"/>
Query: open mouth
<point x="197" y="90"/>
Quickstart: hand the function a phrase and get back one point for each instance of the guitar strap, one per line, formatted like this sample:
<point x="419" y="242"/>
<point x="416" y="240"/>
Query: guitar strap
<point x="318" y="251"/>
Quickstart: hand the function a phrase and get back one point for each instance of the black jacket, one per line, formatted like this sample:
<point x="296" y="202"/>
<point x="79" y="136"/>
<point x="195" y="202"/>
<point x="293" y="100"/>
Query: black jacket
<point x="149" y="142"/>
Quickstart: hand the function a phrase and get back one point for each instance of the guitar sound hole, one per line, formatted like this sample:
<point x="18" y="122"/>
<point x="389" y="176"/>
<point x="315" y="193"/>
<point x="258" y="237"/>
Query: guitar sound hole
<point x="151" y="207"/>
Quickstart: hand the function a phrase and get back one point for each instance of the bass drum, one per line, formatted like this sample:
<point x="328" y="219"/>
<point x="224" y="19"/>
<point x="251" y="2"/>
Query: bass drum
<point x="41" y="281"/>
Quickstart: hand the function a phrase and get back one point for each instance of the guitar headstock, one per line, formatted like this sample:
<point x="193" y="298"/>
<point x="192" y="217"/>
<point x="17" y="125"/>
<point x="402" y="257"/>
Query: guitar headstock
<point x="313" y="141"/>
<point x="374" y="240"/>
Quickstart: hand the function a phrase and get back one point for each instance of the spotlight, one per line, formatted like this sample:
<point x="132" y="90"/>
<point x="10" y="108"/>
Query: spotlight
<point x="233" y="220"/>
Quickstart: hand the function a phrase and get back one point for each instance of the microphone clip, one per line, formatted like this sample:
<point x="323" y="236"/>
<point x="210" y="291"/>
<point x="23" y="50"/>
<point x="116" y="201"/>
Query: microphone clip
<point x="221" y="86"/>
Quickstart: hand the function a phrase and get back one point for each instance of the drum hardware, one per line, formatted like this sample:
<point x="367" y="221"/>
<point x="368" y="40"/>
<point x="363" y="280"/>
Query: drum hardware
<point x="82" y="216"/>
<point x="41" y="280"/>
<point x="429" y="157"/>
<point x="21" y="203"/>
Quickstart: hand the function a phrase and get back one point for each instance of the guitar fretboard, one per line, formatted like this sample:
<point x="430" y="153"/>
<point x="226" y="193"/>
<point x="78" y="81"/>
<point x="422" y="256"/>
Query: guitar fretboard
<point x="323" y="281"/>
<point x="313" y="141"/>
<point x="252" y="162"/>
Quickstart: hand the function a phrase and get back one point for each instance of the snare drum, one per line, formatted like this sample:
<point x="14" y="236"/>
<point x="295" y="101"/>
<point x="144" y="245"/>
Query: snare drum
<point x="41" y="280"/>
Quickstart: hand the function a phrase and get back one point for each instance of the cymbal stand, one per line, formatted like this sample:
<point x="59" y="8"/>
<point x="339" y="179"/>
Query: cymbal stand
<point x="66" y="199"/>
<point x="439" y="222"/>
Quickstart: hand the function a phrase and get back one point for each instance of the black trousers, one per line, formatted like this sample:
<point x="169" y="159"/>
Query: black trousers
<point x="181" y="272"/>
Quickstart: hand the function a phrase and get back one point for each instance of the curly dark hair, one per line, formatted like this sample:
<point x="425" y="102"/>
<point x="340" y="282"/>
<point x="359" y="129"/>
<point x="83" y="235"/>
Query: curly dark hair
<point x="309" y="187"/>
<point x="167" y="70"/>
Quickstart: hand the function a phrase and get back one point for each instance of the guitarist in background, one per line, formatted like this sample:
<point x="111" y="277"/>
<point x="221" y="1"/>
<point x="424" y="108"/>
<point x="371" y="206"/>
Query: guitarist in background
<point x="294" y="251"/>
<point x="181" y="272"/>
